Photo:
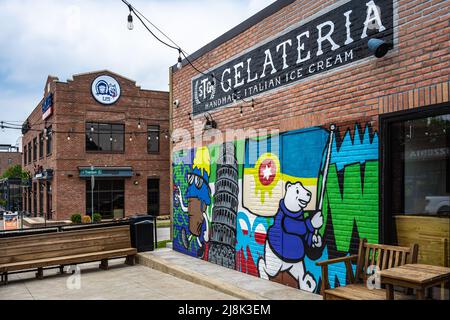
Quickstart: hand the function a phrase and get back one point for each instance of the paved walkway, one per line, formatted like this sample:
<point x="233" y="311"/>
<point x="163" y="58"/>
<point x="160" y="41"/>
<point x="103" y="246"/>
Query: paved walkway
<point x="121" y="282"/>
<point x="219" y="278"/>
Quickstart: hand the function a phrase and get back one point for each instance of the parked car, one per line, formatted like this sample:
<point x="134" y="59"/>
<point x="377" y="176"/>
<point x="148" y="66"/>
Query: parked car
<point x="438" y="205"/>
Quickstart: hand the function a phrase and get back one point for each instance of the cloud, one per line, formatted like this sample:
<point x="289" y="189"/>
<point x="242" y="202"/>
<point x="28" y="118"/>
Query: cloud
<point x="63" y="38"/>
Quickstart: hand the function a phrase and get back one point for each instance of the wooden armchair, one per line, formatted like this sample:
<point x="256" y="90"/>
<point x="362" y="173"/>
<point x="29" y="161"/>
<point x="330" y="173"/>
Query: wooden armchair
<point x="381" y="256"/>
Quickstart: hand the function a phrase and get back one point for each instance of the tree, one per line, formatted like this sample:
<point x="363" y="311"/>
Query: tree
<point x="15" y="172"/>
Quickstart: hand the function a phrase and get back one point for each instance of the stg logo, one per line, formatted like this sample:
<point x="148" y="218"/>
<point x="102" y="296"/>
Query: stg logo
<point x="204" y="90"/>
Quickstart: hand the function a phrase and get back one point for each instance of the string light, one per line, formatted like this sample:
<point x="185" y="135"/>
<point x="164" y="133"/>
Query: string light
<point x="180" y="60"/>
<point x="139" y="124"/>
<point x="242" y="112"/>
<point x="130" y="20"/>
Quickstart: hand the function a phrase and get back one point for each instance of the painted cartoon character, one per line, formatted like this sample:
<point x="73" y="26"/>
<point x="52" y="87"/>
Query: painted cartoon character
<point x="102" y="88"/>
<point x="289" y="236"/>
<point x="198" y="196"/>
<point x="112" y="90"/>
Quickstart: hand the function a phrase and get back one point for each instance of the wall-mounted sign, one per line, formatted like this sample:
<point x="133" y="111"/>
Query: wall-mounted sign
<point x="47" y="107"/>
<point x="106" y="90"/>
<point x="331" y="40"/>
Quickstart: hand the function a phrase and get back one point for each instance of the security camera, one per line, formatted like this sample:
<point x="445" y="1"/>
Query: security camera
<point x="379" y="48"/>
<point x="176" y="103"/>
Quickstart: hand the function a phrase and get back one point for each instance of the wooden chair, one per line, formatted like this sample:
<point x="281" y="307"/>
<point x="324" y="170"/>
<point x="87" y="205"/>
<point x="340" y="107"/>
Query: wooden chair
<point x="381" y="256"/>
<point x="56" y="250"/>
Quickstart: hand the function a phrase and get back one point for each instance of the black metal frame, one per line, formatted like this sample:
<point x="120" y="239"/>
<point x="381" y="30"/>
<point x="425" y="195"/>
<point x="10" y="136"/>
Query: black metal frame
<point x="386" y="225"/>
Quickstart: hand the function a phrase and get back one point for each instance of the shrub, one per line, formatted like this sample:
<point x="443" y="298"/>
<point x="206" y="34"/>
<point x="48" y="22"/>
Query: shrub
<point x="86" y="219"/>
<point x="76" y="218"/>
<point x="97" y="217"/>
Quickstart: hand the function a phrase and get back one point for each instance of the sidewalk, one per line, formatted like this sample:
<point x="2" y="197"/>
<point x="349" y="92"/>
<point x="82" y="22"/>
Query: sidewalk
<point x="215" y="277"/>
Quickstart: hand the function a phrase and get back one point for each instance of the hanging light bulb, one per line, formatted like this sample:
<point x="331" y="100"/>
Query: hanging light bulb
<point x="130" y="21"/>
<point x="111" y="138"/>
<point x="253" y="104"/>
<point x="139" y="124"/>
<point x="242" y="111"/>
<point x="190" y="118"/>
<point x="180" y="60"/>
<point x="131" y="137"/>
<point x="234" y="96"/>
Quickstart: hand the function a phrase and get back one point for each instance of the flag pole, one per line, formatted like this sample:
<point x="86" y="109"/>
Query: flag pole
<point x="327" y="165"/>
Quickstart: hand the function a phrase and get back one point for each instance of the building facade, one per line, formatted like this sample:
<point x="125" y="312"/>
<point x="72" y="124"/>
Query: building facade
<point x="335" y="121"/>
<point x="9" y="157"/>
<point x="97" y="141"/>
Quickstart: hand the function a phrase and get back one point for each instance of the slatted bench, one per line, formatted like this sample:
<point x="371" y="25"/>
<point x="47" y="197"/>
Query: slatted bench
<point x="381" y="256"/>
<point x="42" y="251"/>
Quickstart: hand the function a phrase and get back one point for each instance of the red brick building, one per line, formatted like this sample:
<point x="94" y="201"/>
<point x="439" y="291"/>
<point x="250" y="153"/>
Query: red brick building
<point x="99" y="126"/>
<point x="344" y="113"/>
<point x="9" y="156"/>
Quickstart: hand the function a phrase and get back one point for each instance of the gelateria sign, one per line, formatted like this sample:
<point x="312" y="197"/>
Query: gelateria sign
<point x="333" y="39"/>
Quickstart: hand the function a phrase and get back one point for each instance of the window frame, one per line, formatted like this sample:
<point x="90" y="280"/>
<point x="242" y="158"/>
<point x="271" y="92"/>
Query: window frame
<point x="41" y="145"/>
<point x="386" y="218"/>
<point x="111" y="124"/>
<point x="158" y="138"/>
<point x="35" y="146"/>
<point x="49" y="141"/>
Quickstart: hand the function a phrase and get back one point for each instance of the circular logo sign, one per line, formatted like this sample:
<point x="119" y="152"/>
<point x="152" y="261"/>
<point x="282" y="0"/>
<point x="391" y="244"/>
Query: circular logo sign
<point x="106" y="90"/>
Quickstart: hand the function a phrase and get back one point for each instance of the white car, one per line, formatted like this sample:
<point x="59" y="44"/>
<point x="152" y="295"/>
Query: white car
<point x="437" y="205"/>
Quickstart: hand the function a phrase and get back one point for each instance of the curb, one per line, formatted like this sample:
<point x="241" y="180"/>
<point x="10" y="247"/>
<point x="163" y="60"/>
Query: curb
<point x="162" y="265"/>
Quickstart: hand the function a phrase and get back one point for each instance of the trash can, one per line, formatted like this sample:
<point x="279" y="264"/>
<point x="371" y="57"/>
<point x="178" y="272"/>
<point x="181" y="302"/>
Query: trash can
<point x="143" y="232"/>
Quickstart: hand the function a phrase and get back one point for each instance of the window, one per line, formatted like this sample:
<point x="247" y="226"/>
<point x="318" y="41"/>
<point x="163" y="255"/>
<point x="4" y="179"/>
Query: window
<point x="29" y="152"/>
<point x="103" y="137"/>
<point x="41" y="145"/>
<point x="49" y="200"/>
<point x="153" y="196"/>
<point x="41" y="199"/>
<point x="49" y="140"/>
<point x="153" y="139"/>
<point x="35" y="145"/>
<point x="25" y="154"/>
<point x="419" y="166"/>
<point x="34" y="209"/>
<point x="108" y="196"/>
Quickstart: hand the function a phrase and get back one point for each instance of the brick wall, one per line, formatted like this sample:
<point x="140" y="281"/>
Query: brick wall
<point x="412" y="76"/>
<point x="9" y="159"/>
<point x="73" y="107"/>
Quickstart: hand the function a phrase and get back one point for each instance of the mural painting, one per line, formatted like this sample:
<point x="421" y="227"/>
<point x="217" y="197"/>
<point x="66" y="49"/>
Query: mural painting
<point x="274" y="206"/>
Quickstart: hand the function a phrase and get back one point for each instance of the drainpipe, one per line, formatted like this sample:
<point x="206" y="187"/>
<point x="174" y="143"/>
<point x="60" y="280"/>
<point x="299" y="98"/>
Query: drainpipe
<point x="171" y="150"/>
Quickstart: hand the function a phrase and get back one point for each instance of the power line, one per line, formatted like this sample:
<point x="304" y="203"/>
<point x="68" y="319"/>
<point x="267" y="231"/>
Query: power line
<point x="182" y="52"/>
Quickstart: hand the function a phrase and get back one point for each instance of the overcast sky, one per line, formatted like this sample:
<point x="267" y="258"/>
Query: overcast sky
<point x="66" y="37"/>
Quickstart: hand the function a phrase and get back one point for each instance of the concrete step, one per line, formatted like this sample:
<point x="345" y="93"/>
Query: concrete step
<point x="221" y="279"/>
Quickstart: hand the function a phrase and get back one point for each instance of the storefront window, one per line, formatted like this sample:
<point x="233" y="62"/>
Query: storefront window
<point x="109" y="198"/>
<point x="41" y="199"/>
<point x="103" y="137"/>
<point x="153" y="196"/>
<point x="34" y="209"/>
<point x="419" y="161"/>
<point x="49" y="200"/>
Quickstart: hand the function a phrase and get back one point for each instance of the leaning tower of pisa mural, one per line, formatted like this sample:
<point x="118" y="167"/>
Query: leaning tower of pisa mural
<point x="223" y="235"/>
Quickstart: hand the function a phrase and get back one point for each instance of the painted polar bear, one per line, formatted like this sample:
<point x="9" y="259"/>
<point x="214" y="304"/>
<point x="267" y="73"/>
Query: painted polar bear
<point x="288" y="237"/>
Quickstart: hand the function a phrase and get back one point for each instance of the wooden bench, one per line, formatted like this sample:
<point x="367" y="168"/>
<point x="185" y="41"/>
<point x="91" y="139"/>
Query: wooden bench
<point x="381" y="256"/>
<point x="42" y="251"/>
